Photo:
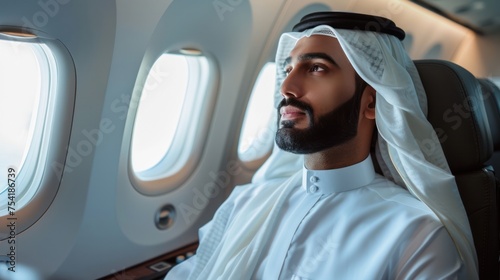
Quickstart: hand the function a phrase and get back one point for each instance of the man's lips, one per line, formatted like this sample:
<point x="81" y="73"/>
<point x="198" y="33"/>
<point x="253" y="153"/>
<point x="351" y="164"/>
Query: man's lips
<point x="290" y="112"/>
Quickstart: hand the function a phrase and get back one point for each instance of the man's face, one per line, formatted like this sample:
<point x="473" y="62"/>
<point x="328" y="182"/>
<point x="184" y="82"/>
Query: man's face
<point x="320" y="108"/>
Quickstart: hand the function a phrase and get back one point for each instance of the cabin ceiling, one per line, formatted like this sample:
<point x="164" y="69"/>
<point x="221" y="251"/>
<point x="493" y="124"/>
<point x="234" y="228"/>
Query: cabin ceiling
<point x="483" y="16"/>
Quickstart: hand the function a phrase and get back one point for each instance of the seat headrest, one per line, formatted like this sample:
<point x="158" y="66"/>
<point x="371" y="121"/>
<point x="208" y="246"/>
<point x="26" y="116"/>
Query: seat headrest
<point x="491" y="98"/>
<point x="457" y="113"/>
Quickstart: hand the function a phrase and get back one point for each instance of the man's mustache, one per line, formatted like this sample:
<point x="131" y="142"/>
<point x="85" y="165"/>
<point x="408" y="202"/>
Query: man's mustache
<point x="295" y="103"/>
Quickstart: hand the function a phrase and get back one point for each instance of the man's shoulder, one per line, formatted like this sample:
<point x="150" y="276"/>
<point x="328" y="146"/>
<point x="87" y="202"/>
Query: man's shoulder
<point x="387" y="193"/>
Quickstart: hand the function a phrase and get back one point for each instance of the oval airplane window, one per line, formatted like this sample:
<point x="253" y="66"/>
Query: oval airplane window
<point x="166" y="129"/>
<point x="37" y="90"/>
<point x="257" y="132"/>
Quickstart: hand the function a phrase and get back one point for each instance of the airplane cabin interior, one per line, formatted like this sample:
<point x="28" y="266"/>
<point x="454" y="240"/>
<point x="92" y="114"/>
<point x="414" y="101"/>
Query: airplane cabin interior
<point x="125" y="124"/>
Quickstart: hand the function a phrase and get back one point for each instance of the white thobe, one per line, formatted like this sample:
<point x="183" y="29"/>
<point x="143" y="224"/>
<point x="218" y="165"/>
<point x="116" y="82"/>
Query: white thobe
<point x="349" y="223"/>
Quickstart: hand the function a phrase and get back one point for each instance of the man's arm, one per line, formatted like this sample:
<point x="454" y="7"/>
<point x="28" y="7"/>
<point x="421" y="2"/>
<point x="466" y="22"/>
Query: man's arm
<point x="431" y="254"/>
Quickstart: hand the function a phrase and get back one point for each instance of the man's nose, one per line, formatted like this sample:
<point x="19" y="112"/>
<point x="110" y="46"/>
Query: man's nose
<point x="290" y="88"/>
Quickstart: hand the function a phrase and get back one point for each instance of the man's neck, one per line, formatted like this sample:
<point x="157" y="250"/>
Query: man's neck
<point x="335" y="157"/>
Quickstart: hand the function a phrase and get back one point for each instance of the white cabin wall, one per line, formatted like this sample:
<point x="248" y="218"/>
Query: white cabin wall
<point x="101" y="243"/>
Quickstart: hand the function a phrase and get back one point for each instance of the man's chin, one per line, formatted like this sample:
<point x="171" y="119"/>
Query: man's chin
<point x="293" y="124"/>
<point x="292" y="148"/>
<point x="286" y="140"/>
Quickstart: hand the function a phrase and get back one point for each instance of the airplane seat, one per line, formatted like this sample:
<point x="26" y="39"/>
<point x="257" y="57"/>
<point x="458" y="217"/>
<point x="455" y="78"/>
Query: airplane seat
<point x="457" y="113"/>
<point x="491" y="98"/>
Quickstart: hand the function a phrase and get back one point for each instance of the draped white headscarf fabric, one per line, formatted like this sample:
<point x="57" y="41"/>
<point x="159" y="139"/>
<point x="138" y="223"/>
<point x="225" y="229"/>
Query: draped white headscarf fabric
<point x="231" y="248"/>
<point x="401" y="109"/>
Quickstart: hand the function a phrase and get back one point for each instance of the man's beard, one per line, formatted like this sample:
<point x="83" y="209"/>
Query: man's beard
<point x="332" y="129"/>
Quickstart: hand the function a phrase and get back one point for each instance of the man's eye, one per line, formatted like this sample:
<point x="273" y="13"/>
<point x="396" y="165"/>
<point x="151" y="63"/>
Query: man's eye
<point x="317" y="68"/>
<point x="287" y="71"/>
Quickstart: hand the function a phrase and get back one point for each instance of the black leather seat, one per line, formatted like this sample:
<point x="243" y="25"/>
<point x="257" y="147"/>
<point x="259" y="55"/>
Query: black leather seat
<point x="457" y="112"/>
<point x="491" y="99"/>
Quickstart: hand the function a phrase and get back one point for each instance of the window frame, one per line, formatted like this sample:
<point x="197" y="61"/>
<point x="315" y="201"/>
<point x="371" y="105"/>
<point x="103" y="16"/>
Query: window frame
<point x="187" y="145"/>
<point x="37" y="170"/>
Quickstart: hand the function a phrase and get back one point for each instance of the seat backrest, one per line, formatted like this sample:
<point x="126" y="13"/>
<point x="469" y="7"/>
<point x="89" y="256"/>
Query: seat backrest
<point x="457" y="113"/>
<point x="491" y="98"/>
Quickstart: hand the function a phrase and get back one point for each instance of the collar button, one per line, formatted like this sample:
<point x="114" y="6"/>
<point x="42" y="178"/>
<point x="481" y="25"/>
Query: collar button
<point x="313" y="189"/>
<point x="314" y="179"/>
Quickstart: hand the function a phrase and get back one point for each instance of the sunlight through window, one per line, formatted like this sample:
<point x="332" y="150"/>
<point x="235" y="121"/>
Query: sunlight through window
<point x="159" y="111"/>
<point x="257" y="134"/>
<point x="20" y="90"/>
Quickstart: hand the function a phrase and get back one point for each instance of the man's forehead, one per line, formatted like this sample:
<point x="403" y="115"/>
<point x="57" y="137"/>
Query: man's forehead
<point x="316" y="43"/>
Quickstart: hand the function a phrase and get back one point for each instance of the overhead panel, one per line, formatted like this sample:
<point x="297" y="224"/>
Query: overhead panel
<point x="482" y="16"/>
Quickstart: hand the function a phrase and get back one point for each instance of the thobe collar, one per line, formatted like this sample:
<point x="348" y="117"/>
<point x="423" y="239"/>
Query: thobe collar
<point x="338" y="180"/>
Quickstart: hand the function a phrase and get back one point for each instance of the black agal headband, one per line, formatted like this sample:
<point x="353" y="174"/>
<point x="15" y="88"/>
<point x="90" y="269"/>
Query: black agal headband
<point x="344" y="20"/>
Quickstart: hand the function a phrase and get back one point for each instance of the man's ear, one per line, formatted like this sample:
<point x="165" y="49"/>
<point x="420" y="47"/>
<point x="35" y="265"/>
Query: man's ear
<point x="368" y="102"/>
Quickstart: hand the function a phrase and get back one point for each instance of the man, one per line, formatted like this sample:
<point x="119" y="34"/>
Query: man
<point x="343" y="76"/>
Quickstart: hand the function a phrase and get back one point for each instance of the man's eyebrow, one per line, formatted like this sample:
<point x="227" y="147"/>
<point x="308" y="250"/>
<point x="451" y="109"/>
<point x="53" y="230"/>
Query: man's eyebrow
<point x="310" y="56"/>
